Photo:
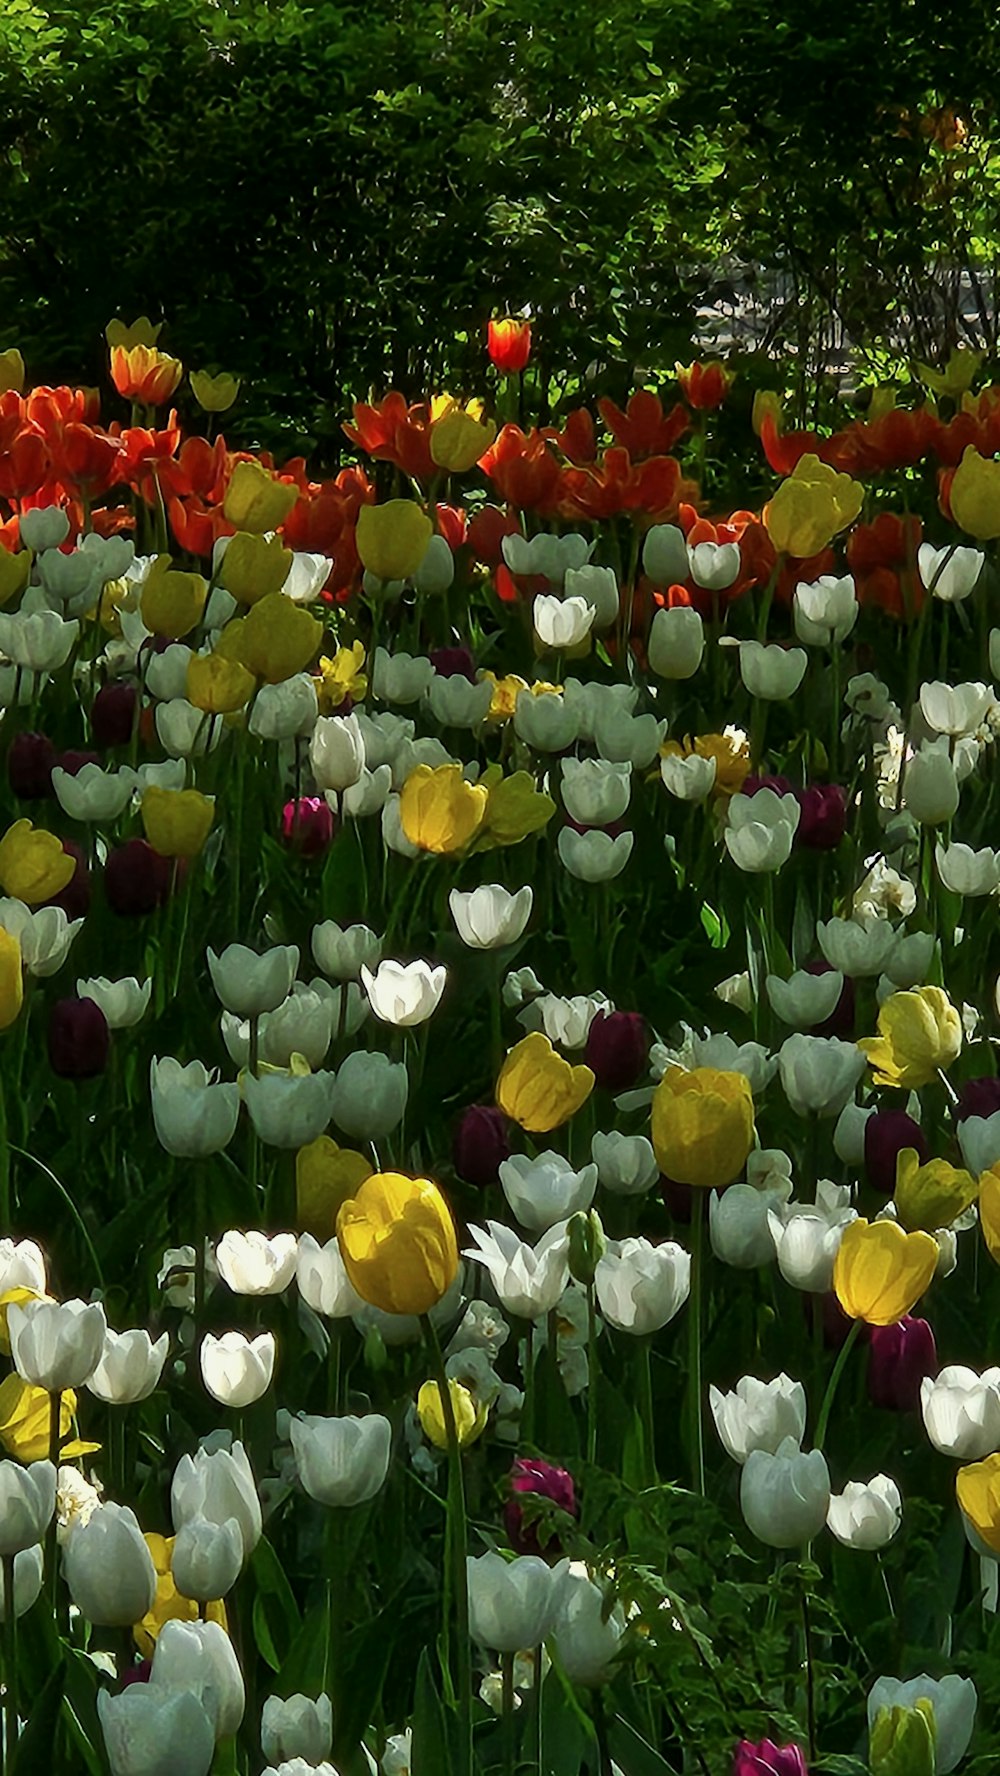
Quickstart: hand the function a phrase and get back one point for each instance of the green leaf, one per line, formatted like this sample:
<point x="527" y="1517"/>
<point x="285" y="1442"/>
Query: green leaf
<point x="431" y="1753"/>
<point x="36" y="1746"/>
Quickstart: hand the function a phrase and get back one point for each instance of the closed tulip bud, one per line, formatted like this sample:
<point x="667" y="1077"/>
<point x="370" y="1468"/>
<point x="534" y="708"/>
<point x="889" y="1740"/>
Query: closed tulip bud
<point x="586" y="1245"/>
<point x="150" y="1731"/>
<point x="248" y="983"/>
<point x="78" y="1039"/>
<point x="108" y="1568"/>
<point x="480" y="1145"/>
<point x="764" y="1758"/>
<point x="322" y="1279"/>
<point x="665" y="556"/>
<point x="703" y="1125"/>
<point x="866" y="1514"/>
<point x="206" y="1558"/>
<point x="880" y="1272"/>
<point x="509" y="344"/>
<point x="297" y="1728"/>
<point x="439" y="811"/>
<point x="920" y="1033"/>
<point x="586" y="1633"/>
<point x="255" y="501"/>
<point x="784" y="1497"/>
<point x="902" y="1355"/>
<point x="27" y="1501"/>
<point x="397" y="1240"/>
<point x="974" y="496"/>
<point x="237" y="1370"/>
<point x="391" y="538"/>
<point x="468" y="1412"/>
<point x="33" y="865"/>
<point x="130" y="1367"/>
<point x="217" y="1486"/>
<point x="930" y="786"/>
<point x="886" y="1134"/>
<point x="341" y="1461"/>
<point x="512" y="1603"/>
<point x="759" y="1415"/>
<point x="56" y="1344"/>
<point x="197" y="1658"/>
<point x="902" y="1741"/>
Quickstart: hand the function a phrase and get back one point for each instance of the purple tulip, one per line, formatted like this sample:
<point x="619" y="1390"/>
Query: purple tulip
<point x="977" y="1097"/>
<point x="541" y="1480"/>
<point x="79" y="1039"/>
<point x="137" y="879"/>
<point x="480" y="1144"/>
<point x="767" y="1759"/>
<point x="113" y="714"/>
<point x="617" y="1048"/>
<point x="901" y="1356"/>
<point x="307" y="826"/>
<point x="886" y="1134"/>
<point x="453" y="662"/>
<point x="823" y="816"/>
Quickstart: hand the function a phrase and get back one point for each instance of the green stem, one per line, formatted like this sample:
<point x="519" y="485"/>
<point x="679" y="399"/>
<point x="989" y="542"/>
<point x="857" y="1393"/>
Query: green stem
<point x="810" y="1675"/>
<point x="507" y="1713"/>
<point x="644" y="1395"/>
<point x="458" y="1538"/>
<point x="831" y="1386"/>
<point x="593" y="1371"/>
<point x="11" y="1690"/>
<point x="55" y="1440"/>
<point x="695" y="1414"/>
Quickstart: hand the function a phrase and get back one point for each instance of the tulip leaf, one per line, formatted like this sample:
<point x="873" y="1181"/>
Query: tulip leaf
<point x="431" y="1752"/>
<point x="36" y="1746"/>
<point x="635" y="1755"/>
<point x="276" y="1618"/>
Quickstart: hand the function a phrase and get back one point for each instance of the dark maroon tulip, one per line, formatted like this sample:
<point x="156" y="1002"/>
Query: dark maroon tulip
<point x="901" y="1356"/>
<point x="30" y="759"/>
<point x="541" y="1480"/>
<point x="823" y="816"/>
<point x="307" y="826"/>
<point x="113" y="715"/>
<point x="841" y="1019"/>
<point x="74" y="760"/>
<point x="75" y="897"/>
<point x="977" y="1097"/>
<point x="137" y="879"/>
<point x="886" y="1134"/>
<point x="79" y="1039"/>
<point x="617" y="1048"/>
<point x="764" y="1758"/>
<point x="453" y="662"/>
<point x="480" y="1144"/>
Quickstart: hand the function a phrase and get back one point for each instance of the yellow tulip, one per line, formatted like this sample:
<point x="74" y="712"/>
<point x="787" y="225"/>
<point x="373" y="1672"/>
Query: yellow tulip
<point x="341" y="677"/>
<point x="397" y="1239"/>
<point x="325" y="1176"/>
<point x="253" y="566"/>
<point x="958" y="375"/>
<point x="974" y="496"/>
<point x="702" y="1125"/>
<point x="11" y="979"/>
<point x="439" y="810"/>
<point x="458" y="440"/>
<point x="169" y="1605"/>
<point x="217" y="685"/>
<point x="931" y="1195"/>
<point x="141" y="332"/>
<point x="470" y="1415"/>
<point x="14" y="569"/>
<point x="880" y="1272"/>
<point x="11" y="372"/>
<point x="176" y="821"/>
<point x="505" y="694"/>
<point x="277" y="639"/>
<point x="392" y="538"/>
<point x="731" y="755"/>
<point x="172" y="602"/>
<point x="214" y="394"/>
<point x="903" y="1740"/>
<point x="538" y="1089"/>
<point x="33" y="864"/>
<point x="919" y="1032"/>
<point x="514" y="809"/>
<point x="24" y="1421"/>
<point x="978" y="1490"/>
<point x="767" y="404"/>
<point x="989" y="1211"/>
<point x="255" y="501"/>
<point x="812" y="504"/>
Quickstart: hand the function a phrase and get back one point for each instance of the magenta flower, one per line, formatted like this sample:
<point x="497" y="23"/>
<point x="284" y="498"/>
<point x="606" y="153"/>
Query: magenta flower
<point x="767" y="1759"/>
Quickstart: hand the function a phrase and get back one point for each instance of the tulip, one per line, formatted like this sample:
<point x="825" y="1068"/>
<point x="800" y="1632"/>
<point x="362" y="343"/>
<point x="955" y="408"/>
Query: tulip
<point x="249" y="984"/>
<point x="252" y="566"/>
<point x="340" y="952"/>
<point x="952" y="1702"/>
<point x="759" y="1415"/>
<point x="322" y="1279"/>
<point x="866" y="1514"/>
<point x="285" y="711"/>
<point x="108" y="1568"/>
<point x="197" y="1658"/>
<point x="27" y="1501"/>
<point x="529" y="1280"/>
<point x="886" y="1134"/>
<point x="562" y="622"/>
<point x="771" y="673"/>
<point x="439" y="811"/>
<point x="154" y="1732"/>
<point x="957" y="709"/>
<point x="33" y="865"/>
<point x="702" y="1126"/>
<point x="857" y="947"/>
<point x="56" y="1345"/>
<point x="391" y="538"/>
<point x="739" y="1228"/>
<point x="275" y="641"/>
<point x="404" y="994"/>
<point x="469" y="1413"/>
<point x="123" y="1002"/>
<point x="901" y="1356"/>
<point x="641" y="1286"/>
<point x="11" y="979"/>
<point x="337" y="752"/>
<point x="880" y="1272"/>
<point x="78" y="1039"/>
<point x="289" y="1109"/>
<point x="397" y="1240"/>
<point x="217" y="1486"/>
<point x="480" y="1145"/>
<point x="930" y="786"/>
<point x="626" y="1164"/>
<point x="547" y="1189"/>
<point x="192" y="1115"/>
<point x="760" y="830"/>
<point x="537" y="1088"/>
<point x="967" y="872"/>
<point x="369" y="1095"/>
<point x="931" y="1195"/>
<point x="950" y="573"/>
<point x="545" y="721"/>
<point x="586" y="1634"/>
<point x="130" y="1367"/>
<point x="28" y="1570"/>
<point x="255" y="501"/>
<point x="237" y="1370"/>
<point x="30" y="758"/>
<point x="512" y="1604"/>
<point x="974" y="496"/>
<point x="961" y="1411"/>
<point x="664" y="556"/>
<point x="826" y="611"/>
<point x="489" y="918"/>
<point x="341" y="1461"/>
<point x="176" y="821"/>
<point x="206" y="1558"/>
<point x="819" y="1073"/>
<point x="594" y="856"/>
<point x="137" y="879"/>
<point x="810" y="507"/>
<point x="920" y="1034"/>
<point x="509" y="344"/>
<point x="784" y="1497"/>
<point x="297" y="1727"/>
<point x="767" y="1759"/>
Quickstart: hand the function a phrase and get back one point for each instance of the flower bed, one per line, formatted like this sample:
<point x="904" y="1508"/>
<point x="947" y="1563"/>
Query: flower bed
<point x="497" y="1259"/>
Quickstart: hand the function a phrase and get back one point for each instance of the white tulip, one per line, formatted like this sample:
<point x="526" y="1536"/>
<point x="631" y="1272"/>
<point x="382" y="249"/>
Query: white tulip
<point x="337" y="751"/>
<point x="40" y="642"/>
<point x="785" y="1496"/>
<point x="807" y="1236"/>
<point x="641" y="1286"/>
<point x="930" y="786"/>
<point x="979" y="1141"/>
<point x="43" y="527"/>
<point x="911" y="959"/>
<point x="968" y="872"/>
<point x="206" y="1558"/>
<point x="687" y="776"/>
<point x="586" y="1633"/>
<point x="546" y="1190"/>
<point x="676" y="642"/>
<point x="285" y="711"/>
<point x="456" y="703"/>
<point x="772" y="672"/>
<point x="198" y="1659"/>
<point x="22" y="1266"/>
<point x="490" y="917"/>
<point x="594" y="856"/>
<point x="866" y="1514"/>
<point x="628" y="739"/>
<point x="166" y="673"/>
<point x="760" y="830"/>
<point x="626" y="1164"/>
<point x="804" y="999"/>
<point x="819" y="1073"/>
<point x="289" y="1109"/>
<point x="297" y="1727"/>
<point x="369" y="1095"/>
<point x="566" y="1021"/>
<point x="130" y="1367"/>
<point x="45" y="935"/>
<point x="714" y="566"/>
<point x="341" y="950"/>
<point x="237" y="1370"/>
<point x="400" y="678"/>
<point x="404" y="993"/>
<point x="123" y="1002"/>
<point x="156" y="1732"/>
<point x="93" y="794"/>
<point x="950" y="573"/>
<point x="562" y="622"/>
<point x="547" y="722"/>
<point x="953" y="1700"/>
<point x="322" y="1279"/>
<point x="825" y="611"/>
<point x="961" y="1411"/>
<point x="595" y="792"/>
<point x="109" y="1569"/>
<point x="759" y="1415"/>
<point x="528" y="1280"/>
<point x="857" y="947"/>
<point x="598" y="586"/>
<point x="256" y="1263"/>
<point x="192" y="1115"/>
<point x="341" y="1461"/>
<point x="955" y="710"/>
<point x="665" y="555"/>
<point x="512" y="1603"/>
<point x="56" y="1344"/>
<point x="217" y="1485"/>
<point x="738" y="1225"/>
<point x="248" y="983"/>
<point x="186" y="732"/>
<point x="27" y="1502"/>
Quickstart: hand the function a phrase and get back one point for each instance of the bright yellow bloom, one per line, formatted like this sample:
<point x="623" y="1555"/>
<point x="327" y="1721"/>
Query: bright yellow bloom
<point x="538" y="1089"/>
<point x="217" y="685"/>
<point x="767" y="404"/>
<point x="880" y="1272"/>
<point x="731" y="755"/>
<point x="515" y="808"/>
<point x="11" y="979"/>
<point x="458" y="440"/>
<point x="397" y="1239"/>
<point x="974" y="495"/>
<point x="33" y="864"/>
<point x="919" y="1031"/>
<point x="141" y="373"/>
<point x="989" y="1211"/>
<point x="978" y="1489"/>
<point x="931" y="1195"/>
<point x="439" y="810"/>
<point x="505" y="694"/>
<point x="702" y="1125"/>
<point x="15" y="1298"/>
<point x="903" y="1740"/>
<point x="24" y="1421"/>
<point x="214" y="394"/>
<point x="812" y="504"/>
<point x="169" y="1605"/>
<point x="141" y="332"/>
<point x="341" y="677"/>
<point x="470" y="1415"/>
<point x="255" y="500"/>
<point x="176" y="821"/>
<point x="392" y="538"/>
<point x="253" y="566"/>
<point x="171" y="602"/>
<point x="277" y="639"/>
<point x="11" y="372"/>
<point x="14" y="570"/>
<point x="325" y="1176"/>
<point x="958" y="375"/>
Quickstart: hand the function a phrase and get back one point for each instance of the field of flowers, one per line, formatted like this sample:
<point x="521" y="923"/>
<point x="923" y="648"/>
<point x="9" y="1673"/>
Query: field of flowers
<point x="499" y="1115"/>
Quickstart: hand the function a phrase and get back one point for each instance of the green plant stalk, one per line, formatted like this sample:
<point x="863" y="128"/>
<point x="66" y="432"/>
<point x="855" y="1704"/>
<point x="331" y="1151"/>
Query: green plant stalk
<point x="11" y="1686"/>
<point x="593" y="1371"/>
<point x="831" y="1387"/>
<point x="508" y="1722"/>
<point x="644" y="1394"/>
<point x="696" y="1417"/>
<point x="457" y="1552"/>
<point x="55" y="1440"/>
<point x="810" y="1674"/>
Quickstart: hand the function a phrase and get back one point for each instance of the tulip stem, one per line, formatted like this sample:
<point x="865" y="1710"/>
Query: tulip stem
<point x="695" y="1416"/>
<point x="457" y="1552"/>
<point x="593" y="1370"/>
<point x="831" y="1386"/>
<point x="55" y="1438"/>
<point x="507" y="1712"/>
<point x="644" y="1393"/>
<point x="810" y="1676"/>
<point x="10" y="1699"/>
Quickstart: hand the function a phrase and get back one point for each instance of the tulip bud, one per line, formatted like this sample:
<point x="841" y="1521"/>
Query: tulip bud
<point x="480" y="1145"/>
<point x="902" y="1355"/>
<point x="469" y="1414"/>
<point x="79" y="1039"/>
<point x="902" y="1741"/>
<point x="307" y="826"/>
<point x="886" y="1134"/>
<point x="617" y="1047"/>
<point x="587" y="1245"/>
<point x="30" y="759"/>
<point x="767" y="1759"/>
<point x="206" y="1558"/>
<point x="297" y="1728"/>
<point x="109" y="1569"/>
<point x="537" y="1480"/>
<point x="137" y="879"/>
